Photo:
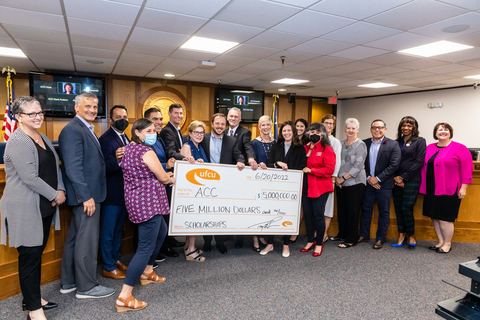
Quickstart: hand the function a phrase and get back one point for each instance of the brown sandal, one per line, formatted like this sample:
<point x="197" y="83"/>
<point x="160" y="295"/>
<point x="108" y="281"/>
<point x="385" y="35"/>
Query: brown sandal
<point x="129" y="304"/>
<point x="151" y="278"/>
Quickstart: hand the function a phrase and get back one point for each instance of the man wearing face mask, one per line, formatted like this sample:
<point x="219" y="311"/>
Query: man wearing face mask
<point x="114" y="212"/>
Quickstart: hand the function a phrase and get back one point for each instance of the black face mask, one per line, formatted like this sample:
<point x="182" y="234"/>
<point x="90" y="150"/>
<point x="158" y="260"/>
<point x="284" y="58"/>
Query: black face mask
<point x="121" y="124"/>
<point x="314" y="138"/>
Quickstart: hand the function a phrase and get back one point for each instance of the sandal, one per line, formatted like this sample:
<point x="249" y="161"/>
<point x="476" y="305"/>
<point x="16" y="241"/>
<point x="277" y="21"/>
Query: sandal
<point x="198" y="258"/>
<point x="325" y="239"/>
<point x="129" y="304"/>
<point x="256" y="249"/>
<point x="151" y="278"/>
<point x="345" y="245"/>
<point x="335" y="238"/>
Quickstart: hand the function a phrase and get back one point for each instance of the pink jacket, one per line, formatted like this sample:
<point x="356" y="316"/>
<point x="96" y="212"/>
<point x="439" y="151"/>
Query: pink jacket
<point x="453" y="167"/>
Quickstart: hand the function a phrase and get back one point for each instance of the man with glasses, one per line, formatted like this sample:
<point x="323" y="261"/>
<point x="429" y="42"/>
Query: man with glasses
<point x="383" y="159"/>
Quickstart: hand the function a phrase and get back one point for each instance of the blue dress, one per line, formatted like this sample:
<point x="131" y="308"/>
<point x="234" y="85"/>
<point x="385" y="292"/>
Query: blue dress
<point x="262" y="150"/>
<point x="197" y="153"/>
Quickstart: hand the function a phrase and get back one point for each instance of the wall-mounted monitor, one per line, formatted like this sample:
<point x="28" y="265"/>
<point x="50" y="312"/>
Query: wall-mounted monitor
<point x="249" y="101"/>
<point x="56" y="92"/>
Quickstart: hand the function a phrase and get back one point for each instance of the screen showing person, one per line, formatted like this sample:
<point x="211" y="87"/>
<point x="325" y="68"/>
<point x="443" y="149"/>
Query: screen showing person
<point x="67" y="87"/>
<point x="241" y="100"/>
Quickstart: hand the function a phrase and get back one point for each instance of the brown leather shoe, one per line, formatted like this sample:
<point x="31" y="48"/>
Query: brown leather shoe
<point x="115" y="274"/>
<point x="378" y="244"/>
<point x="121" y="266"/>
<point x="362" y="239"/>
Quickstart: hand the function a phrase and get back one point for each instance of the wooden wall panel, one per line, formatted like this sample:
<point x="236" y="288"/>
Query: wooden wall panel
<point x="284" y="110"/>
<point x="301" y="109"/>
<point x="201" y="104"/>
<point x="182" y="88"/>
<point x="123" y="93"/>
<point x="145" y="86"/>
<point x="268" y="105"/>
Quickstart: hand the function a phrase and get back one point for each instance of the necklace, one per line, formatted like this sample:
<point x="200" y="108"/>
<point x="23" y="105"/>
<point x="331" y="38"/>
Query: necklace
<point x="266" y="146"/>
<point x="348" y="144"/>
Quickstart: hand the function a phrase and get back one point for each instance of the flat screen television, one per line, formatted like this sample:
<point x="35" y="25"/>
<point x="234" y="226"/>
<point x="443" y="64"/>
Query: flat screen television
<point x="56" y="92"/>
<point x="249" y="101"/>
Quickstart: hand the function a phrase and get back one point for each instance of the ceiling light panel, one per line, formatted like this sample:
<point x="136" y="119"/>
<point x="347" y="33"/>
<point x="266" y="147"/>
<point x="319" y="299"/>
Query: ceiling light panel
<point x="12" y="52"/>
<point x="377" y="85"/>
<point x="435" y="49"/>
<point x="208" y="45"/>
<point x="290" y="81"/>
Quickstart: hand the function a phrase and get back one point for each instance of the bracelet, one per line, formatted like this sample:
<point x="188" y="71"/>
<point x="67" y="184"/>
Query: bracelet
<point x="343" y="177"/>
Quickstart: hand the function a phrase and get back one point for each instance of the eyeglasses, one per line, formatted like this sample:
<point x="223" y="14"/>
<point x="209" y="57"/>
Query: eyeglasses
<point x="377" y="128"/>
<point x="198" y="133"/>
<point x="32" y="115"/>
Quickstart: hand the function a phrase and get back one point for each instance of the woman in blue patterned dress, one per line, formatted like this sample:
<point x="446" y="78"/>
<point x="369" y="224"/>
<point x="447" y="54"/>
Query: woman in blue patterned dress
<point x="146" y="202"/>
<point x="193" y="152"/>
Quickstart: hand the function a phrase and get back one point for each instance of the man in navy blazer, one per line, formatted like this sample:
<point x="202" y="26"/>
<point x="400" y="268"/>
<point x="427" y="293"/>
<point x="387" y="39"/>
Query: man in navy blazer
<point x="220" y="148"/>
<point x="171" y="134"/>
<point x="114" y="211"/>
<point x="83" y="167"/>
<point x="383" y="159"/>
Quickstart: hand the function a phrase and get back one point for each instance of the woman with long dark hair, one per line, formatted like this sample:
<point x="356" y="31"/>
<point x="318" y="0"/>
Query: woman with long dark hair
<point x="301" y="128"/>
<point x="407" y="179"/>
<point x="286" y="154"/>
<point x="317" y="185"/>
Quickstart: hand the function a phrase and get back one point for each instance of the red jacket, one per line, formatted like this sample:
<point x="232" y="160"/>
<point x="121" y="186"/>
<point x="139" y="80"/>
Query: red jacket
<point x="322" y="163"/>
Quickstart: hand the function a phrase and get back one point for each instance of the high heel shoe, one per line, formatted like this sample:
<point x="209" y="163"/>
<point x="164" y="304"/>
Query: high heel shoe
<point x="318" y="254"/>
<point x="48" y="306"/>
<point x="396" y="245"/>
<point x="309" y="248"/>
<point x="151" y="278"/>
<point x="410" y="244"/>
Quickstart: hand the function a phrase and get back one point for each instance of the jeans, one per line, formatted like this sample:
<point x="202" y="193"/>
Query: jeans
<point x="383" y="203"/>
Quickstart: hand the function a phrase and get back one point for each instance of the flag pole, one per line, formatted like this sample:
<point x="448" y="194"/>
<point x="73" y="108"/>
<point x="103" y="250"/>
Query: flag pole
<point x="275" y="116"/>
<point x="9" y="121"/>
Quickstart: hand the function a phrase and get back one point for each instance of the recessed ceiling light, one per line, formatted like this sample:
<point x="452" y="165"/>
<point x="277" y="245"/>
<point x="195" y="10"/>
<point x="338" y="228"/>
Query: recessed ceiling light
<point x="290" y="81"/>
<point x="242" y="91"/>
<point x="456" y="28"/>
<point x="473" y="77"/>
<point x="378" y="85"/>
<point x="169" y="75"/>
<point x="95" y="61"/>
<point x="435" y="48"/>
<point x="12" y="52"/>
<point x="208" y="45"/>
<point x="282" y="89"/>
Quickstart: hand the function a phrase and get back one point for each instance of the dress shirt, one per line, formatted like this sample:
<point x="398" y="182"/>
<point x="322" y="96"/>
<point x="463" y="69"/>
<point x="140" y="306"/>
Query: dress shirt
<point x="374" y="147"/>
<point x="89" y="126"/>
<point x="179" y="134"/>
<point x="215" y="148"/>
<point x="231" y="131"/>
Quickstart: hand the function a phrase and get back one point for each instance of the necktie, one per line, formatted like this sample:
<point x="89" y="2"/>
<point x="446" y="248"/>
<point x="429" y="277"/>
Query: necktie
<point x="124" y="139"/>
<point x="231" y="133"/>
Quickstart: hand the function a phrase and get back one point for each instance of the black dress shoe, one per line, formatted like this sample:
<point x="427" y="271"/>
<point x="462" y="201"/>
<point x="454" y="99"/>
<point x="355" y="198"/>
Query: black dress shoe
<point x="207" y="247"/>
<point x="362" y="239"/>
<point x="378" y="244"/>
<point x="176" y="244"/>
<point x="48" y="306"/>
<point x="239" y="243"/>
<point x="160" y="258"/>
<point x="169" y="252"/>
<point x="222" y="248"/>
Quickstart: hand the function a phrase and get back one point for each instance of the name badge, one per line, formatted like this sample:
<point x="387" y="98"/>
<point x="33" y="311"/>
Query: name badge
<point x="318" y="154"/>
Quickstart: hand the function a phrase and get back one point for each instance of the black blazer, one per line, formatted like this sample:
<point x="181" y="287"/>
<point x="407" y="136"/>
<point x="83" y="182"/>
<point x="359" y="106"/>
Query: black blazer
<point x="412" y="161"/>
<point x="244" y="142"/>
<point x="296" y="158"/>
<point x="229" y="153"/>
<point x="110" y="142"/>
<point x="172" y="141"/>
<point x="388" y="160"/>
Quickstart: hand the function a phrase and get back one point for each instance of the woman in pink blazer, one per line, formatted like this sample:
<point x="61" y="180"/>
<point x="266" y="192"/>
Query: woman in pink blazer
<point x="446" y="173"/>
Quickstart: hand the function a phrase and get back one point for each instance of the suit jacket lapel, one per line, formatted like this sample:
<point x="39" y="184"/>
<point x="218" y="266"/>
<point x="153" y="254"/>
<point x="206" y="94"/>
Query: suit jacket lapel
<point x="89" y="134"/>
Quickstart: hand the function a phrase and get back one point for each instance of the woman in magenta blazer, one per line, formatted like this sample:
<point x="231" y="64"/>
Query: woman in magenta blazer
<point x="317" y="184"/>
<point x="446" y="173"/>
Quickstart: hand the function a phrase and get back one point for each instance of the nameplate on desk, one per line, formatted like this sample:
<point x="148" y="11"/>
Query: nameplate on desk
<point x="219" y="199"/>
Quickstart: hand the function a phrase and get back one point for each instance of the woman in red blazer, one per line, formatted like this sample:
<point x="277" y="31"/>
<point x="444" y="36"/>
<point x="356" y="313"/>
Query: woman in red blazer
<point x="317" y="184"/>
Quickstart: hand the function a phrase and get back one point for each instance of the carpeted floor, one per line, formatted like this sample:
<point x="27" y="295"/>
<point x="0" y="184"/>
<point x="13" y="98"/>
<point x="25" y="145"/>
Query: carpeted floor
<point x="354" y="283"/>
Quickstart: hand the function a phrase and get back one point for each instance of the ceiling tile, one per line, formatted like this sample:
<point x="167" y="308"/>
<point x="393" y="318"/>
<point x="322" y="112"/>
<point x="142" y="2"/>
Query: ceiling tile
<point x="459" y="56"/>
<point x="321" y="47"/>
<point x="102" y="11"/>
<point x="152" y="37"/>
<point x="169" y="22"/>
<point x="99" y="29"/>
<point x="87" y="67"/>
<point x="37" y="34"/>
<point x="228" y="31"/>
<point x="178" y="71"/>
<point x="416" y="14"/>
<point x="45" y="6"/>
<point x="279" y="74"/>
<point x="234" y="60"/>
<point x="49" y="56"/>
<point x="44" y="46"/>
<point x="463" y="73"/>
<point x="390" y="59"/>
<point x="277" y="40"/>
<point x="356" y="9"/>
<point x="145" y="58"/>
<point x="412" y="74"/>
<point x="435" y="29"/>
<point x="179" y="63"/>
<point x="134" y="47"/>
<point x="447" y="68"/>
<point x="130" y="72"/>
<point x="264" y="15"/>
<point x="144" y="67"/>
<point x="231" y="77"/>
<point x="358" y="66"/>
<point x="193" y="55"/>
<point x="252" y="51"/>
<point x="401" y="41"/>
<point x="222" y="67"/>
<point x="190" y="77"/>
<point x="24" y="18"/>
<point x="473" y="63"/>
<point x="472" y="39"/>
<point x="269" y="64"/>
<point x="292" y="56"/>
<point x="330" y="72"/>
<point x="19" y="64"/>
<point x="360" y="32"/>
<point x="301" y="68"/>
<point x="97" y="43"/>
<point x="96" y="53"/>
<point x="8" y="43"/>
<point x="387" y="70"/>
<point x="298" y="3"/>
<point x="421" y="63"/>
<point x="358" y="76"/>
<point x="359" y="53"/>
<point x="54" y="65"/>
<point x="199" y="8"/>
<point x="252" y="70"/>
<point x="467" y="4"/>
<point x="327" y="62"/>
<point x="312" y="23"/>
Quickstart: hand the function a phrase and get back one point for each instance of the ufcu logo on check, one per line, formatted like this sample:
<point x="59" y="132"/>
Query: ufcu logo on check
<point x="206" y="174"/>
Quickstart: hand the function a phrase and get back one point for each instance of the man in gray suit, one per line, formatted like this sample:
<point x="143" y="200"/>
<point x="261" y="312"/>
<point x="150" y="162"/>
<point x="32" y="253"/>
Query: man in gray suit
<point x="84" y="172"/>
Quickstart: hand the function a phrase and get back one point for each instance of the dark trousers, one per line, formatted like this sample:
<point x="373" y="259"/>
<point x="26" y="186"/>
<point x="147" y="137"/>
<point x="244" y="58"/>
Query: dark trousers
<point x="80" y="251"/>
<point x="383" y="203"/>
<point x="30" y="267"/>
<point x="349" y="203"/>
<point x="151" y="234"/>
<point x="403" y="200"/>
<point x="286" y="239"/>
<point x="113" y="220"/>
<point x="313" y="210"/>
<point x="219" y="239"/>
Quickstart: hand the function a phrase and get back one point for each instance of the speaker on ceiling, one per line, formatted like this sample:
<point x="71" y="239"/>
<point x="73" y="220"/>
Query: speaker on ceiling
<point x="291" y="97"/>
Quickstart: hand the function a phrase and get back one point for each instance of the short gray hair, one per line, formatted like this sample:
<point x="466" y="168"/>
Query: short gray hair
<point x="352" y="120"/>
<point x="20" y="103"/>
<point x="236" y="109"/>
<point x="79" y="98"/>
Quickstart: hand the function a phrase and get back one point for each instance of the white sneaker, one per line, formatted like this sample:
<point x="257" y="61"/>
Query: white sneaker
<point x="95" y="293"/>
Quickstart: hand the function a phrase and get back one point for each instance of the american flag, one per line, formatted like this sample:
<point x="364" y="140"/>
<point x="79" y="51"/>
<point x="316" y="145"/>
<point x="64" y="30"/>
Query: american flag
<point x="9" y="121"/>
<point x="274" y="117"/>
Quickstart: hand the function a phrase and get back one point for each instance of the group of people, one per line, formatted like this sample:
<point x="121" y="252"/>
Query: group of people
<point x="107" y="179"/>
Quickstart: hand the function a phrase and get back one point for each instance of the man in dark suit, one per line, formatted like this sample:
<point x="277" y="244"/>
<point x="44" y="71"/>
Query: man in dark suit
<point x="220" y="148"/>
<point x="244" y="144"/>
<point x="383" y="159"/>
<point x="114" y="211"/>
<point x="171" y="134"/>
<point x="83" y="167"/>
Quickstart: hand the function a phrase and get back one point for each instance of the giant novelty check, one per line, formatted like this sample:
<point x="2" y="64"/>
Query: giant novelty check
<point x="219" y="199"/>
